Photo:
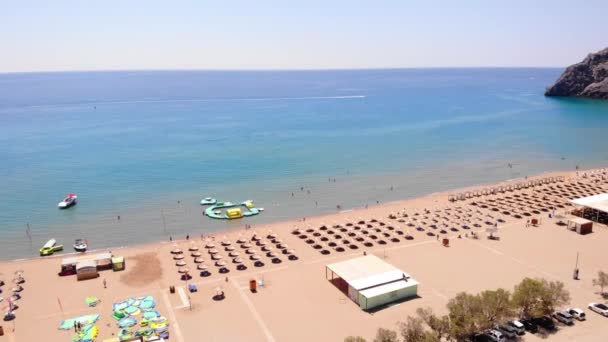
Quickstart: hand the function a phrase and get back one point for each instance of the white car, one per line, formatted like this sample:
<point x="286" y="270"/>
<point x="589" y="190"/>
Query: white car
<point x="577" y="313"/>
<point x="600" y="308"/>
<point x="496" y="335"/>
<point x="518" y="326"/>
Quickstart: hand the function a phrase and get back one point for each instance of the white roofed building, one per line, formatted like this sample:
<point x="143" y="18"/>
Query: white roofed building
<point x="371" y="282"/>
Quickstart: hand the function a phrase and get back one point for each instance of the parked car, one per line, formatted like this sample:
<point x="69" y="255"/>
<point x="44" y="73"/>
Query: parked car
<point x="544" y="322"/>
<point x="496" y="335"/>
<point x="518" y="326"/>
<point x="529" y="325"/>
<point x="564" y="317"/>
<point x="506" y="330"/>
<point x="599" y="308"/>
<point x="577" y="313"/>
<point x="482" y="337"/>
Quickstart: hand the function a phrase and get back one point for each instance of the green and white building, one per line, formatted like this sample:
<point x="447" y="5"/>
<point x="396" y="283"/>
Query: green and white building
<point x="371" y="282"/>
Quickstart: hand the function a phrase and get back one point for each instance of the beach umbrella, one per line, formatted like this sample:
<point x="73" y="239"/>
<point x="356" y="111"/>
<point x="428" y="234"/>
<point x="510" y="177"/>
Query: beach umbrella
<point x="180" y="263"/>
<point x="226" y="243"/>
<point x="230" y="248"/>
<point x="289" y="251"/>
<point x="233" y="254"/>
<point x="250" y="251"/>
<point x="271" y="255"/>
<point x="282" y="246"/>
<point x="183" y="270"/>
<point x="178" y="257"/>
<point x="213" y="251"/>
<point x="220" y="263"/>
<point x="237" y="260"/>
<point x="210" y="244"/>
<point x="193" y="248"/>
<point x="271" y="235"/>
<point x="241" y="239"/>
<point x="254" y="257"/>
<point x="198" y="260"/>
<point x="261" y="243"/>
<point x="196" y="254"/>
<point x="277" y="241"/>
<point x="216" y="257"/>
<point x="202" y="267"/>
<point x="255" y="237"/>
<point x="246" y="245"/>
<point x="266" y="248"/>
<point x="176" y="251"/>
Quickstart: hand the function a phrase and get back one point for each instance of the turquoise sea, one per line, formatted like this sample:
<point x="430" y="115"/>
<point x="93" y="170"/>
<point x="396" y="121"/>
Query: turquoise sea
<point x="149" y="145"/>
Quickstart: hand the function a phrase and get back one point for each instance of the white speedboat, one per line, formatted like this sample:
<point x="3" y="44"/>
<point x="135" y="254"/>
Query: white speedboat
<point x="80" y="245"/>
<point x="68" y="201"/>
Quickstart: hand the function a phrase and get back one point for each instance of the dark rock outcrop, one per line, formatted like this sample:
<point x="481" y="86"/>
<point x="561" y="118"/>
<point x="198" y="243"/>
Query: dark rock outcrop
<point x="588" y="78"/>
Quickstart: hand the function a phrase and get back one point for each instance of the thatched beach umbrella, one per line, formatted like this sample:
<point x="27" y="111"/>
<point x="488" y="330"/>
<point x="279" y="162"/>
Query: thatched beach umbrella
<point x="254" y="257"/>
<point x="213" y="251"/>
<point x="246" y="245"/>
<point x="229" y="248"/>
<point x="241" y="239"/>
<point x="196" y="254"/>
<point x="289" y="251"/>
<point x="193" y="248"/>
<point x="183" y="270"/>
<point x="178" y="257"/>
<point x="180" y="263"/>
<point x="202" y="267"/>
<point x="176" y="251"/>
<point x="198" y="260"/>
<point x="234" y="254"/>
<point x="266" y="248"/>
<point x="237" y="260"/>
<point x="220" y="263"/>
<point x="210" y="244"/>
<point x="216" y="257"/>
<point x="271" y="235"/>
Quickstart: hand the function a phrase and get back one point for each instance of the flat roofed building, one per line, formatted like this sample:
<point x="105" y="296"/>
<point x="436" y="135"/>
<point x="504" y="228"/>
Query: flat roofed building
<point x="371" y="282"/>
<point x="594" y="207"/>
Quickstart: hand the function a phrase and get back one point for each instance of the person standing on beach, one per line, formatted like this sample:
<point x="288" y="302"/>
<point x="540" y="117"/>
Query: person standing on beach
<point x="105" y="285"/>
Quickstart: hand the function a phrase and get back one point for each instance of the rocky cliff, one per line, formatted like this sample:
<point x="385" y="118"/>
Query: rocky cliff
<point x="588" y="78"/>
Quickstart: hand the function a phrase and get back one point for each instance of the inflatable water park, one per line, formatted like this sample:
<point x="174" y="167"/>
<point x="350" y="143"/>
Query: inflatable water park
<point x="229" y="210"/>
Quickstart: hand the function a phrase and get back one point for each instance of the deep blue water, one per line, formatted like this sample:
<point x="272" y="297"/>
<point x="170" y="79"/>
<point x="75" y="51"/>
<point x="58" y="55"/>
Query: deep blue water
<point x="134" y="143"/>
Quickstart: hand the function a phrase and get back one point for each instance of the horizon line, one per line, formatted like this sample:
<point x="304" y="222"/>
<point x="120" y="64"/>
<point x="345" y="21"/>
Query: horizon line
<point x="276" y="70"/>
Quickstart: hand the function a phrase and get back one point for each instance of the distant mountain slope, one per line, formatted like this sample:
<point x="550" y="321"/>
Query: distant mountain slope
<point x="588" y="78"/>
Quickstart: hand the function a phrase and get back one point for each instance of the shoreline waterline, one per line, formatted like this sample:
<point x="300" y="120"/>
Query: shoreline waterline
<point x="289" y="224"/>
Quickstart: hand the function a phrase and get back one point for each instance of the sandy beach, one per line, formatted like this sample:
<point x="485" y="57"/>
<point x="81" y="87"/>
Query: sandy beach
<point x="297" y="303"/>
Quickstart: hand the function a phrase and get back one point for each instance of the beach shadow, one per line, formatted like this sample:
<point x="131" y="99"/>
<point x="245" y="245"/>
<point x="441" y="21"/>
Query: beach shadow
<point x="397" y="302"/>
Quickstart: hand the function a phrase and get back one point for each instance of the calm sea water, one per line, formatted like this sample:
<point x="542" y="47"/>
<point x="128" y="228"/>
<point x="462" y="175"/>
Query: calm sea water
<point x="135" y="143"/>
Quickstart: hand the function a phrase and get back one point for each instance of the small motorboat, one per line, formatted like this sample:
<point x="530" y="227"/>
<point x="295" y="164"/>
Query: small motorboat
<point x="50" y="247"/>
<point x="80" y="245"/>
<point x="68" y="201"/>
<point x="208" y="201"/>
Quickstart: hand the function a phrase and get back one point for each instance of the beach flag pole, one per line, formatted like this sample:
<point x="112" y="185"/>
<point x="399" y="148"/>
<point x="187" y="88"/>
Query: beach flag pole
<point x="60" y="306"/>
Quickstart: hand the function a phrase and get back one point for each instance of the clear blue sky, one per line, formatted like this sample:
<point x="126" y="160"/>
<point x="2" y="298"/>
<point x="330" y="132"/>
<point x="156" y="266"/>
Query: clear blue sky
<point x="292" y="34"/>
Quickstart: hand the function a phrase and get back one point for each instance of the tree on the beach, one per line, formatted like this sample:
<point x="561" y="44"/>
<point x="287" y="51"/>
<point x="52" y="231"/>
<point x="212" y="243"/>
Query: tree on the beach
<point x="463" y="314"/>
<point x="412" y="329"/>
<point x="354" y="339"/>
<point x="535" y="297"/>
<point x="495" y="307"/>
<point x="385" y="335"/>
<point x="440" y="326"/>
<point x="601" y="281"/>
